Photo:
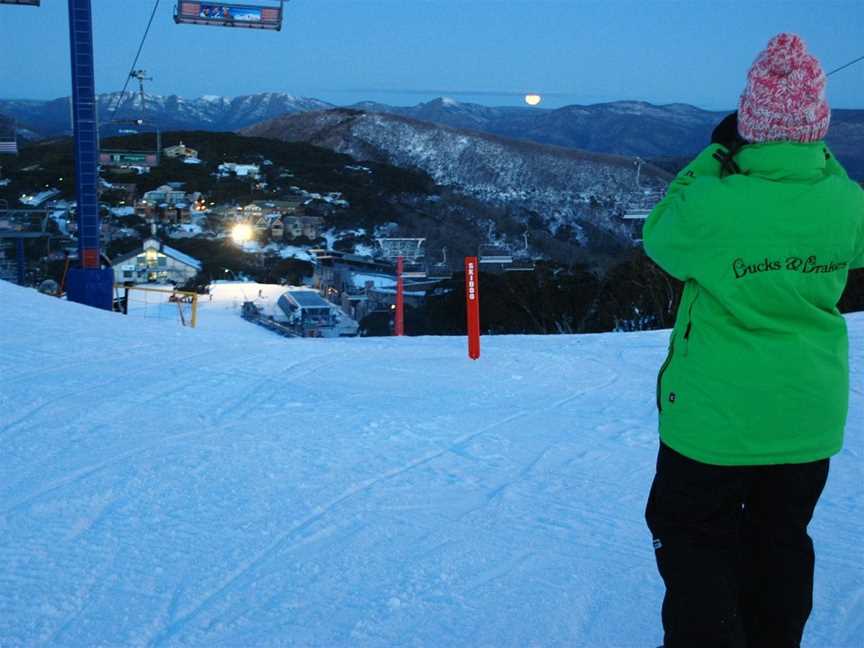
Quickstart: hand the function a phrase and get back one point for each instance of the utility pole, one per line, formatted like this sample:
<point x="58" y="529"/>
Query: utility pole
<point x="141" y="76"/>
<point x="399" y="324"/>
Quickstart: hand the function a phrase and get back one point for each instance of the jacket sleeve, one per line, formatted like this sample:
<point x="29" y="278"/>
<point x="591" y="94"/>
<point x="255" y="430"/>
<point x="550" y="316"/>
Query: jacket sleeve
<point x="676" y="234"/>
<point x="858" y="261"/>
<point x="833" y="167"/>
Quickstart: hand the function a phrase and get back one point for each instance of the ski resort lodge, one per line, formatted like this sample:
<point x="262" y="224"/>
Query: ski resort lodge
<point x="155" y="262"/>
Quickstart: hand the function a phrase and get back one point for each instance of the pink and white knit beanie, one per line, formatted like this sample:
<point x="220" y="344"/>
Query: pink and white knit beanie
<point x="785" y="95"/>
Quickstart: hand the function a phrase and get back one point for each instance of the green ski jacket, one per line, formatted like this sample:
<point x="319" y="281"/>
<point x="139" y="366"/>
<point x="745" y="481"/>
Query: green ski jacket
<point x="757" y="370"/>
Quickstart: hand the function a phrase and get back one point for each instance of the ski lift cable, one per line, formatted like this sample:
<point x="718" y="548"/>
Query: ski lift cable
<point x="843" y="67"/>
<point x="116" y="104"/>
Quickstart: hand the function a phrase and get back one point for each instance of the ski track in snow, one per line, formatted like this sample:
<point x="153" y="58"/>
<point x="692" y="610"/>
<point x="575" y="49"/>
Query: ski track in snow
<point x="228" y="487"/>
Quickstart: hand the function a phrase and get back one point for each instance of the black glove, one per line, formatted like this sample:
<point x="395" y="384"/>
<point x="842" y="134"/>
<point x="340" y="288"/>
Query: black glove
<point x="726" y="134"/>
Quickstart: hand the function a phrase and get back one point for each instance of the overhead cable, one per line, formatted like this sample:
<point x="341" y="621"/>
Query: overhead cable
<point x="843" y="67"/>
<point x="116" y="104"/>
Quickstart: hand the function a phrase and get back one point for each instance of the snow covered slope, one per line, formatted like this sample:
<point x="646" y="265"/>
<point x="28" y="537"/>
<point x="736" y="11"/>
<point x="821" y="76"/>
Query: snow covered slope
<point x="561" y="186"/>
<point x="227" y="487"/>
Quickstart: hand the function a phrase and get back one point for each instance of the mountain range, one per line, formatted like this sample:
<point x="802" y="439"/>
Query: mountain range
<point x="621" y="127"/>
<point x="631" y="128"/>
<point x="52" y="118"/>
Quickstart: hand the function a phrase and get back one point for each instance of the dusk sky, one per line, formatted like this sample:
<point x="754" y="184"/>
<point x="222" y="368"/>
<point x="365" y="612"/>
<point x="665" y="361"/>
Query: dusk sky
<point x="407" y="51"/>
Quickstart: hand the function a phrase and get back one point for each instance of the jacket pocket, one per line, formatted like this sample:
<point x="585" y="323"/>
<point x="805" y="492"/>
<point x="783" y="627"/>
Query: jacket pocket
<point x="663" y="368"/>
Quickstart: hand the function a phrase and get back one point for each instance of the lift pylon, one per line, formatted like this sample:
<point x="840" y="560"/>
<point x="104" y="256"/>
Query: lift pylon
<point x="90" y="283"/>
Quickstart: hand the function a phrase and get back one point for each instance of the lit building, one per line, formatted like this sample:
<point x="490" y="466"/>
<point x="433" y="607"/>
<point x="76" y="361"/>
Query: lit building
<point x="155" y="262"/>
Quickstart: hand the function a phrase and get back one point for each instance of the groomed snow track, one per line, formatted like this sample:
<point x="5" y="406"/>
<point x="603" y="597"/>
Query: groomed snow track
<point x="222" y="486"/>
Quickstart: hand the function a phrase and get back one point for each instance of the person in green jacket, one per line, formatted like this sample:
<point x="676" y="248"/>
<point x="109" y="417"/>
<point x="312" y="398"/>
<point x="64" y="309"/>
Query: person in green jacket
<point x="763" y="228"/>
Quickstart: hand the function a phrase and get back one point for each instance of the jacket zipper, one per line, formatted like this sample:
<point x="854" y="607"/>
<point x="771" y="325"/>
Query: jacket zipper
<point x="689" y="328"/>
<point x="687" y="332"/>
<point x="662" y="370"/>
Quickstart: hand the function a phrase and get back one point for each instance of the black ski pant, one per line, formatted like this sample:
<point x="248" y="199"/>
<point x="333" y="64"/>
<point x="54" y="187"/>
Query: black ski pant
<point x="732" y="548"/>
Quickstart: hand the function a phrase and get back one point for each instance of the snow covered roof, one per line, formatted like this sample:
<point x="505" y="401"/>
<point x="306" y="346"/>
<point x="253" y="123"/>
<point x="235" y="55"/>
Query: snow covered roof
<point x="167" y="250"/>
<point x="38" y="199"/>
<point x="359" y="279"/>
<point x="308" y="299"/>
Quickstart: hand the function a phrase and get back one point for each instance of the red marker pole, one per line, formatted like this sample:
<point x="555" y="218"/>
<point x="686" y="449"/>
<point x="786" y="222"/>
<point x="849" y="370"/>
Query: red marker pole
<point x="399" y="327"/>
<point x="472" y="302"/>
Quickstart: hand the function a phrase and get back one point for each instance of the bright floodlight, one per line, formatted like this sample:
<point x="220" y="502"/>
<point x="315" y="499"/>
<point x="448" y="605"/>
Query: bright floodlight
<point x="241" y="233"/>
<point x="533" y="99"/>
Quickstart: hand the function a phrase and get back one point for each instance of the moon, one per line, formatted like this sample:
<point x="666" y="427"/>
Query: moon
<point x="533" y="99"/>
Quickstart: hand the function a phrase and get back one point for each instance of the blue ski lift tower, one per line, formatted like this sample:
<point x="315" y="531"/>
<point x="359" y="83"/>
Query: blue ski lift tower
<point x="89" y="283"/>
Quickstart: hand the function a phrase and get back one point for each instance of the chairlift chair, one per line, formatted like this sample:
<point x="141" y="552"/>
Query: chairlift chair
<point x="412" y="269"/>
<point x="229" y="14"/>
<point x="148" y="157"/>
<point x="495" y="254"/>
<point x="636" y="213"/>
<point x="522" y="259"/>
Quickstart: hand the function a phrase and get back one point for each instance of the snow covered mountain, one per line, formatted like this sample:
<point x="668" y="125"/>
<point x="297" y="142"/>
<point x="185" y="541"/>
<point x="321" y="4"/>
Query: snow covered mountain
<point x="562" y="186"/>
<point x="170" y="112"/>
<point x="223" y="486"/>
<point x="618" y="127"/>
<point x="457" y="114"/>
<point x="622" y="127"/>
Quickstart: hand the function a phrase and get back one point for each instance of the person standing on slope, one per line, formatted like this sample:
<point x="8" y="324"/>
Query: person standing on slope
<point x="763" y="228"/>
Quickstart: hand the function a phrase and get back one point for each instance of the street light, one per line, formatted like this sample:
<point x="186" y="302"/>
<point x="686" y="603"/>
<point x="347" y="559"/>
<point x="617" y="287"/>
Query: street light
<point x="241" y="233"/>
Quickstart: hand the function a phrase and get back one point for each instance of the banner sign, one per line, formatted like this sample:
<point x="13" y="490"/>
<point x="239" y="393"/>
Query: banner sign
<point x="227" y="12"/>
<point x="108" y="158"/>
<point x="472" y="302"/>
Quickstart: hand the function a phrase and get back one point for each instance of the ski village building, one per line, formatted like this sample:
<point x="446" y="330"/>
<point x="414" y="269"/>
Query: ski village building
<point x="226" y="169"/>
<point x="285" y="219"/>
<point x="295" y="226"/>
<point x="180" y="150"/>
<point x="155" y="262"/>
<point x="166" y="204"/>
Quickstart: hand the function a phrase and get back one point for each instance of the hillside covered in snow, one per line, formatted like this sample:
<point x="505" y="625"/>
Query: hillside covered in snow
<point x="224" y="486"/>
<point x="588" y="192"/>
